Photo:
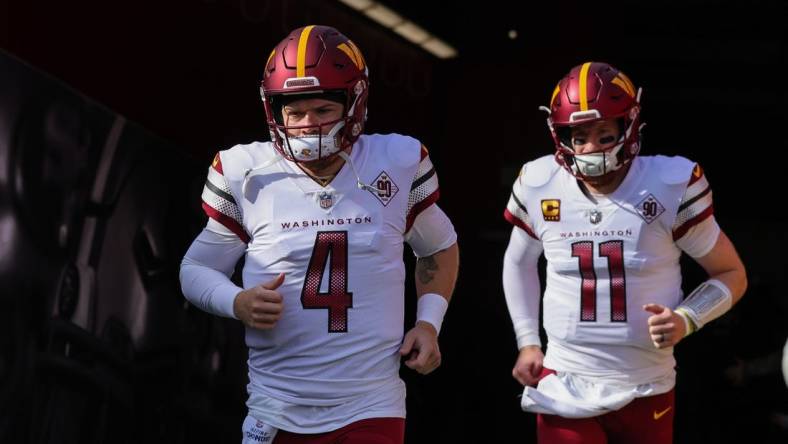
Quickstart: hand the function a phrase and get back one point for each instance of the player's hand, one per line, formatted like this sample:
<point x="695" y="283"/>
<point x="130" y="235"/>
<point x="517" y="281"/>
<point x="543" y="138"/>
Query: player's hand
<point x="261" y="306"/>
<point x="529" y="365"/>
<point x="665" y="326"/>
<point x="421" y="347"/>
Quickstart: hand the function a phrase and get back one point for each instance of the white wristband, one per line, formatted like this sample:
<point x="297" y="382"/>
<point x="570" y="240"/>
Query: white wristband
<point x="431" y="308"/>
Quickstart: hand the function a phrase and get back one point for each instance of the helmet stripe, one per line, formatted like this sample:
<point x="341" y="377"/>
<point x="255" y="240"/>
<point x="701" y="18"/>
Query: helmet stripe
<point x="302" y="42"/>
<point x="583" y="85"/>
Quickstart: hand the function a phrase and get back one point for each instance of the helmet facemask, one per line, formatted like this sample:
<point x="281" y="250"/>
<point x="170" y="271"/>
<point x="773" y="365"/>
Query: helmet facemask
<point x="324" y="140"/>
<point x="599" y="166"/>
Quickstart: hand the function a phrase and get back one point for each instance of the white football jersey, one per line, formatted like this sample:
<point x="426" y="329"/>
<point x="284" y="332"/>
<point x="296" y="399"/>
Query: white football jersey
<point x="605" y="260"/>
<point x="340" y="248"/>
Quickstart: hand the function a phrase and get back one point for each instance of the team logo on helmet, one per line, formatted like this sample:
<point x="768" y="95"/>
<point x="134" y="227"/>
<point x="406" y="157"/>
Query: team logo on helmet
<point x="353" y="53"/>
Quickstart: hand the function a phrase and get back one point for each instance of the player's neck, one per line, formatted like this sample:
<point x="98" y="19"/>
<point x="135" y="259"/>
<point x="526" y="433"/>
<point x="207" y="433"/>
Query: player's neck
<point x="323" y="171"/>
<point x="609" y="187"/>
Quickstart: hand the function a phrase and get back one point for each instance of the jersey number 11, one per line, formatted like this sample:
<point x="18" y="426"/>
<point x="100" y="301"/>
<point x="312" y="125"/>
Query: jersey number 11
<point x="614" y="252"/>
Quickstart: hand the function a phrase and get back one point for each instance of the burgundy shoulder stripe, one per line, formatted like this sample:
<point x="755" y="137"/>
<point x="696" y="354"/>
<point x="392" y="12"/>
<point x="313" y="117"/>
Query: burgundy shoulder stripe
<point x="227" y="221"/>
<point x="514" y="220"/>
<point x="679" y="232"/>
<point x="419" y="207"/>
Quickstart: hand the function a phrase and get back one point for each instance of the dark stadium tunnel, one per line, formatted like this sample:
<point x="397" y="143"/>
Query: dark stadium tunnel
<point x="108" y="125"/>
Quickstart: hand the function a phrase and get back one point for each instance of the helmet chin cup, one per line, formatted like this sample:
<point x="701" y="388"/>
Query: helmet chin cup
<point x="310" y="147"/>
<point x="589" y="165"/>
<point x="597" y="164"/>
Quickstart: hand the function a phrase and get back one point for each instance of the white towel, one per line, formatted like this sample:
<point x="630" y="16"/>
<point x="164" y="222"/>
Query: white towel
<point x="572" y="396"/>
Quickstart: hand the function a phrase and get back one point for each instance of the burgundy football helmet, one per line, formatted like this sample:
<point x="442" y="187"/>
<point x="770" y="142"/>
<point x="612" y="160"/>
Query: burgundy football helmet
<point x="592" y="92"/>
<point x="315" y="62"/>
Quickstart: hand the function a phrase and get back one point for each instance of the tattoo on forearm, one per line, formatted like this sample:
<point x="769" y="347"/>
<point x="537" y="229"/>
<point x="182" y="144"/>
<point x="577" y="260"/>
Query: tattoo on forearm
<point x="426" y="268"/>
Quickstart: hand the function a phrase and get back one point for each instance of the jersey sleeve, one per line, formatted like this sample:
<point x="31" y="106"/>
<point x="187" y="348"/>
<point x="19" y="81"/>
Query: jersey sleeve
<point x="424" y="190"/>
<point x="696" y="205"/>
<point x="521" y="286"/>
<point x="218" y="201"/>
<point x="516" y="212"/>
<point x="206" y="269"/>
<point x="431" y="232"/>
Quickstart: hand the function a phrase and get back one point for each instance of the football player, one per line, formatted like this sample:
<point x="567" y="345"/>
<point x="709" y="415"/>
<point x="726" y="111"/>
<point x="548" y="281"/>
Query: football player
<point x="320" y="214"/>
<point x="612" y="226"/>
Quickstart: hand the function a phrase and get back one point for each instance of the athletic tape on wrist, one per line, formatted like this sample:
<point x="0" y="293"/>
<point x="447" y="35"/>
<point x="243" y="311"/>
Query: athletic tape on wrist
<point x="707" y="302"/>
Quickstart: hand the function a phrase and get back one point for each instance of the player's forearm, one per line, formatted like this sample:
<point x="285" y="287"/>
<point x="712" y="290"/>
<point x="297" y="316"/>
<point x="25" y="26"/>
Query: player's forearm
<point x="725" y="286"/>
<point x="724" y="264"/>
<point x="438" y="273"/>
<point x="735" y="280"/>
<point x="206" y="269"/>
<point x="522" y="288"/>
<point x="208" y="289"/>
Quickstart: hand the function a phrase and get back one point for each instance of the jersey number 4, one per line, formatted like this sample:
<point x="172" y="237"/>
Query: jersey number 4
<point x="614" y="252"/>
<point x="329" y="245"/>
